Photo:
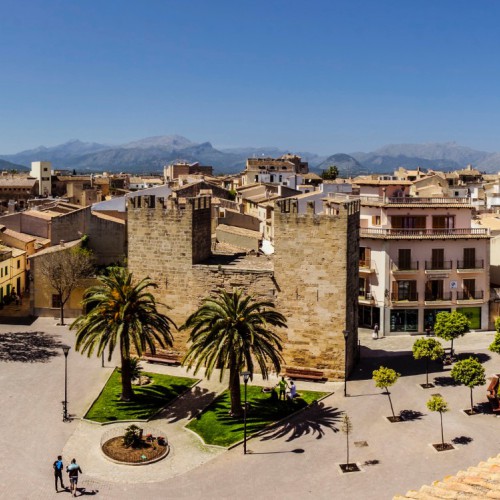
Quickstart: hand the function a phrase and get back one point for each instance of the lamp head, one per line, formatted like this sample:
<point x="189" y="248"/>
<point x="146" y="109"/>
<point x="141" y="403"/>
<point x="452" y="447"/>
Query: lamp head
<point x="66" y="349"/>
<point x="346" y="333"/>
<point x="246" y="376"/>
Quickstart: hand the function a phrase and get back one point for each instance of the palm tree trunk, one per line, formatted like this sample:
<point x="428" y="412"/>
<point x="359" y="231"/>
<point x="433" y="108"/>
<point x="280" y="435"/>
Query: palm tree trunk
<point x="235" y="391"/>
<point x="390" y="401"/>
<point x="471" y="402"/>
<point x="127" y="392"/>
<point x="427" y="371"/>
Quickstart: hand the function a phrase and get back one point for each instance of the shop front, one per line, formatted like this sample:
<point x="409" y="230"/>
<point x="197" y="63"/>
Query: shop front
<point x="404" y="320"/>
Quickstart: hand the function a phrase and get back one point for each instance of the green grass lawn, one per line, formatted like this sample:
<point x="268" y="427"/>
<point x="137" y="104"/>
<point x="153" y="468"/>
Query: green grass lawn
<point x="148" y="399"/>
<point x="216" y="426"/>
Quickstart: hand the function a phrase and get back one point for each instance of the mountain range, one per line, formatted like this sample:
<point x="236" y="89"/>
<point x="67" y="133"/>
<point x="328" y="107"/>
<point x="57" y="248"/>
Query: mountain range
<point x="152" y="153"/>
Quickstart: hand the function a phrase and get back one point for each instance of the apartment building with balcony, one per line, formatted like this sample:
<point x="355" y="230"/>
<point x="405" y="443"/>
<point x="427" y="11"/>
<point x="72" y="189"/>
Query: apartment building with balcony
<point x="418" y="257"/>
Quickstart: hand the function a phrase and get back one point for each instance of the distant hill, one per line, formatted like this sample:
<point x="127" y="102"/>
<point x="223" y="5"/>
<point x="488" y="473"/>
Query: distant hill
<point x="346" y="164"/>
<point x="152" y="153"/>
<point x="7" y="165"/>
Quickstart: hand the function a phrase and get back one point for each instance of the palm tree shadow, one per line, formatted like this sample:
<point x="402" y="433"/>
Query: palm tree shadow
<point x="29" y="347"/>
<point x="189" y="405"/>
<point x="312" y="421"/>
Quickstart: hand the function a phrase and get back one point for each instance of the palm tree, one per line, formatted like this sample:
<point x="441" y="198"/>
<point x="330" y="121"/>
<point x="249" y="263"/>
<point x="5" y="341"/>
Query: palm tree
<point x="123" y="313"/>
<point x="228" y="332"/>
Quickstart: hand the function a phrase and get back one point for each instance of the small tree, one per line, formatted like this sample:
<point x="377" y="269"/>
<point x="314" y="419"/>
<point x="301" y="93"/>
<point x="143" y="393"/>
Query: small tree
<point x="346" y="429"/>
<point x="469" y="372"/>
<point x="437" y="403"/>
<point x="450" y="326"/>
<point x="135" y="368"/>
<point x="495" y="345"/>
<point x="428" y="349"/>
<point x="330" y="174"/>
<point x="133" y="436"/>
<point x="385" y="378"/>
<point x="65" y="270"/>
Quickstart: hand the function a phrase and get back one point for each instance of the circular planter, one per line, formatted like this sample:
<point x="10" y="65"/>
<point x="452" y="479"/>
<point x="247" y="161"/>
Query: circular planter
<point x="150" y="450"/>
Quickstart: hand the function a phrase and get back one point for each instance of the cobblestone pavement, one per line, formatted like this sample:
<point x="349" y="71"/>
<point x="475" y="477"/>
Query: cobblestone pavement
<point x="297" y="459"/>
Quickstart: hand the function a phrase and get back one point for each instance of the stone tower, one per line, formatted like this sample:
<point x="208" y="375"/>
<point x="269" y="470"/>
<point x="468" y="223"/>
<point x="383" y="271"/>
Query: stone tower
<point x="312" y="277"/>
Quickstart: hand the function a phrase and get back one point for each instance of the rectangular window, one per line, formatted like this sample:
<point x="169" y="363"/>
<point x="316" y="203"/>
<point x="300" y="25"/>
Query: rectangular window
<point x="408" y="221"/>
<point x="437" y="258"/>
<point x="56" y="300"/>
<point x="376" y="220"/>
<point x="404" y="258"/>
<point x="469" y="258"/>
<point x="19" y="264"/>
<point x="406" y="290"/>
<point x="473" y="315"/>
<point x="6" y="271"/>
<point x="434" y="290"/>
<point x="469" y="289"/>
<point x="443" y="221"/>
<point x="364" y="257"/>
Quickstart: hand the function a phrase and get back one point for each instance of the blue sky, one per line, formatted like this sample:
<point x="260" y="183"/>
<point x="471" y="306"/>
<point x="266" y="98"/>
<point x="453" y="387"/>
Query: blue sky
<point x="323" y="76"/>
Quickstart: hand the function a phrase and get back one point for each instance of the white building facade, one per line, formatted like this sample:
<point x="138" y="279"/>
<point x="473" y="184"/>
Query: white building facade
<point x="418" y="257"/>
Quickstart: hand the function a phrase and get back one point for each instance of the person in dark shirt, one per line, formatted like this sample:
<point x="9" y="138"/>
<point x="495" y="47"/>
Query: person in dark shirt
<point x="58" y="469"/>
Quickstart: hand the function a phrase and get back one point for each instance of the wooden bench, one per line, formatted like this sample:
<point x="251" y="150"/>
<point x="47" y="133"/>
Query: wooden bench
<point x="169" y="358"/>
<point x="305" y="374"/>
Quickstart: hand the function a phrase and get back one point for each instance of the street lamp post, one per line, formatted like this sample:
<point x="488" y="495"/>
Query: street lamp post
<point x="346" y="336"/>
<point x="65" y="402"/>
<point x="246" y="377"/>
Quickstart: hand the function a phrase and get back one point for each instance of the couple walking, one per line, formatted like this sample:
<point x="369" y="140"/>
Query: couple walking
<point x="73" y="469"/>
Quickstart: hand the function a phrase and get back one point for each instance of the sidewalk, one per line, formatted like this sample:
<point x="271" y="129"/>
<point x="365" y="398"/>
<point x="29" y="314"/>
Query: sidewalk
<point x="399" y="344"/>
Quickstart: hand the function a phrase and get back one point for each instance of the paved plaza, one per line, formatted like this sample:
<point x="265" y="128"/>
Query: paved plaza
<point x="296" y="459"/>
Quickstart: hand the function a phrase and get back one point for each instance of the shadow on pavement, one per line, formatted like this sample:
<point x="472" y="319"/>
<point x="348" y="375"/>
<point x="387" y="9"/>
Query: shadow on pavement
<point x="402" y="363"/>
<point x="410" y="415"/>
<point x="312" y="421"/>
<point x="462" y="440"/>
<point x="445" y="382"/>
<point x="29" y="347"/>
<point x="296" y="450"/>
<point x="482" y="357"/>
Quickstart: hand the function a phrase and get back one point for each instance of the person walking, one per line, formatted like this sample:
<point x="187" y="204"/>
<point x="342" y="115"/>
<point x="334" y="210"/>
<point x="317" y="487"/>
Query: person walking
<point x="282" y="386"/>
<point x="375" y="331"/>
<point x="58" y="469"/>
<point x="73" y="469"/>
<point x="293" y="391"/>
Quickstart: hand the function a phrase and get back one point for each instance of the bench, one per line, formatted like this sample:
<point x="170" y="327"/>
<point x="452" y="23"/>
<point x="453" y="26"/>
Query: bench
<point x="170" y="358"/>
<point x="305" y="374"/>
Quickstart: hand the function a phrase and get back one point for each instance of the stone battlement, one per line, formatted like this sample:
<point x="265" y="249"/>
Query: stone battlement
<point x="172" y="203"/>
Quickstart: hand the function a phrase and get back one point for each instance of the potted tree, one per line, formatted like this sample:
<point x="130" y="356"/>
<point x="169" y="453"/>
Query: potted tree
<point x="450" y="326"/>
<point x="428" y="349"/>
<point x="385" y="378"/>
<point x="437" y="403"/>
<point x="469" y="372"/>
<point x="346" y="428"/>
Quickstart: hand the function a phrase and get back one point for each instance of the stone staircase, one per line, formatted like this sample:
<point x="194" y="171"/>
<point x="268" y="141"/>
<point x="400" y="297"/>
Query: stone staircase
<point x="476" y="483"/>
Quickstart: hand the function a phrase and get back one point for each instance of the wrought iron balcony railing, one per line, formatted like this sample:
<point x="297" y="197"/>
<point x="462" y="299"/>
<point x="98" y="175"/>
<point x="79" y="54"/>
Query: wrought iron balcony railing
<point x="473" y="295"/>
